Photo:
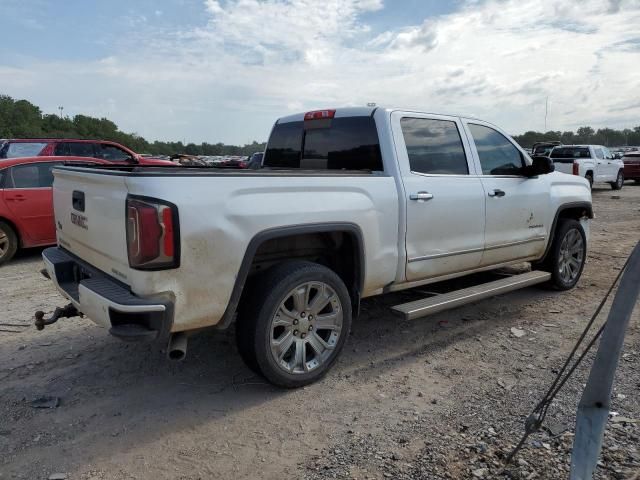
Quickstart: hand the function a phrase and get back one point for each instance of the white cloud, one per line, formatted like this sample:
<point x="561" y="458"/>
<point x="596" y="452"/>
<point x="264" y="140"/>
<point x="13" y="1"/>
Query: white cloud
<point x="255" y="60"/>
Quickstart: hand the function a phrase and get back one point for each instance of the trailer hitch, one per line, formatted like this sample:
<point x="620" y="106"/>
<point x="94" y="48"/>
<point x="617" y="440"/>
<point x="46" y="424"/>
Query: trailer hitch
<point x="60" y="312"/>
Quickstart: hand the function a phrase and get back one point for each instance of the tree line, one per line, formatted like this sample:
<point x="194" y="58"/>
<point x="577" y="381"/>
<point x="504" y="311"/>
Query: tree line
<point x="22" y="119"/>
<point x="584" y="135"/>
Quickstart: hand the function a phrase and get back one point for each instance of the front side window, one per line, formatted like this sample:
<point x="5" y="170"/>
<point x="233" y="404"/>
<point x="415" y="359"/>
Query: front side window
<point x="434" y="146"/>
<point x="498" y="156"/>
<point x="21" y="149"/>
<point x="599" y="153"/>
<point x="114" y="154"/>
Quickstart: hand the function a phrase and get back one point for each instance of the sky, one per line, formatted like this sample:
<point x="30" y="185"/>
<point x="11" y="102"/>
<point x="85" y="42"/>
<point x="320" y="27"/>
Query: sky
<point x="224" y="70"/>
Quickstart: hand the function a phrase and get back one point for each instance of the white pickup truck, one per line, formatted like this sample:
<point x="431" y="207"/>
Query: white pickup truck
<point x="348" y="204"/>
<point x="593" y="162"/>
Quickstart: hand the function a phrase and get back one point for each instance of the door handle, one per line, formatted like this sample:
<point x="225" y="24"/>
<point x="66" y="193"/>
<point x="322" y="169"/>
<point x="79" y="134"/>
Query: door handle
<point x="497" y="193"/>
<point x="421" y="196"/>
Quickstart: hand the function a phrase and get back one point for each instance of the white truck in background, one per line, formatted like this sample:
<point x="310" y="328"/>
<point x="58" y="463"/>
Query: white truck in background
<point x="593" y="162"/>
<point x="348" y="204"/>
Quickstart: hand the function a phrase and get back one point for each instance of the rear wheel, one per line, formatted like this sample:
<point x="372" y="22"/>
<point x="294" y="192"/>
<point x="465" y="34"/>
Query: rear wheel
<point x="295" y="324"/>
<point x="566" y="258"/>
<point x="8" y="243"/>
<point x="589" y="176"/>
<point x="617" y="185"/>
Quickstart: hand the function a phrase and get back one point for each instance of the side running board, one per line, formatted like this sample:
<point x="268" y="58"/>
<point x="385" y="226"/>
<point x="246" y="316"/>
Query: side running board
<point x="430" y="305"/>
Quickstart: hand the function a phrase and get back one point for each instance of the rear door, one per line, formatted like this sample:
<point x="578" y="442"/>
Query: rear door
<point x="516" y="206"/>
<point x="27" y="194"/>
<point x="444" y="197"/>
<point x="603" y="173"/>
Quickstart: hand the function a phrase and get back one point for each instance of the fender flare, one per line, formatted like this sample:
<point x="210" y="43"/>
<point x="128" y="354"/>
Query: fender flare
<point x="278" y="232"/>
<point x="588" y="207"/>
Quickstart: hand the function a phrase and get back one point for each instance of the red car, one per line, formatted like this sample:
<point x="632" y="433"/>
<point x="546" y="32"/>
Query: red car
<point x="631" y="162"/>
<point x="26" y="203"/>
<point x="110" y="151"/>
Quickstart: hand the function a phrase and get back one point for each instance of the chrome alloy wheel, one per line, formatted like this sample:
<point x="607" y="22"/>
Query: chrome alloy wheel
<point x="4" y="243"/>
<point x="571" y="256"/>
<point x="306" y="327"/>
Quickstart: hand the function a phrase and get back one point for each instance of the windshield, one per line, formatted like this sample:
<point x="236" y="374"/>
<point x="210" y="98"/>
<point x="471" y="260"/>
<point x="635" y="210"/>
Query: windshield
<point x="571" y="152"/>
<point x="21" y="149"/>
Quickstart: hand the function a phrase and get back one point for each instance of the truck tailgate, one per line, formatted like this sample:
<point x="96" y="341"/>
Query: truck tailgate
<point x="90" y="218"/>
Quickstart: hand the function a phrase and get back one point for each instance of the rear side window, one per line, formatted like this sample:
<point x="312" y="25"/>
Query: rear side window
<point x="498" y="156"/>
<point x="21" y="149"/>
<point x="24" y="176"/>
<point x="36" y="175"/>
<point x="348" y="143"/>
<point x="434" y="146"/>
<point x="81" y="149"/>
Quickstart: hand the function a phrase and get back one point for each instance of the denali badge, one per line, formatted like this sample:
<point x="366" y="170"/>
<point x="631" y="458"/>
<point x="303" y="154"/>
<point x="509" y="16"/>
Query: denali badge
<point x="79" y="220"/>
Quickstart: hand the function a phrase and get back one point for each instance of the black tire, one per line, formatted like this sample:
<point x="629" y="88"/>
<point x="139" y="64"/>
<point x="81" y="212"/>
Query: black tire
<point x="255" y="329"/>
<point x="589" y="176"/>
<point x="619" y="183"/>
<point x="8" y="243"/>
<point x="552" y="264"/>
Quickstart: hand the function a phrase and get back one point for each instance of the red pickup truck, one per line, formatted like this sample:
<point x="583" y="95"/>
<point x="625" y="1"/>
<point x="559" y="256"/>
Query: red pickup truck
<point x="26" y="204"/>
<point x="109" y="151"/>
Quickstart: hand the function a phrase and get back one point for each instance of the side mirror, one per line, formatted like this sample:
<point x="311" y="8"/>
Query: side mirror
<point x="540" y="166"/>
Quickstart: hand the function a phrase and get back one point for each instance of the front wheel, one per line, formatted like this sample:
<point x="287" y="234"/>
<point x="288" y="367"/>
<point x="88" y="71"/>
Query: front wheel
<point x="295" y="323"/>
<point x="617" y="185"/>
<point x="566" y="258"/>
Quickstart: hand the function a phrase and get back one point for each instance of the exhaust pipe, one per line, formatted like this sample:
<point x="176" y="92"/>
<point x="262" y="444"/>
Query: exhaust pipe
<point x="177" y="346"/>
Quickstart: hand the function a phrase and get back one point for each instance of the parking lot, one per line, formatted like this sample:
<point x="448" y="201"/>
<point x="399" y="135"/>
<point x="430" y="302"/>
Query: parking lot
<point x="441" y="397"/>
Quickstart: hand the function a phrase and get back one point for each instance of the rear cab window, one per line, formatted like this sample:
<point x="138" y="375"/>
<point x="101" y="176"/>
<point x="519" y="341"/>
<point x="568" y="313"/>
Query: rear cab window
<point x="569" y="154"/>
<point x="342" y="143"/>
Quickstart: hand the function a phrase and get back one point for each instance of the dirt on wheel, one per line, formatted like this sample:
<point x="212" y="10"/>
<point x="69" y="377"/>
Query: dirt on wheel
<point x="438" y="398"/>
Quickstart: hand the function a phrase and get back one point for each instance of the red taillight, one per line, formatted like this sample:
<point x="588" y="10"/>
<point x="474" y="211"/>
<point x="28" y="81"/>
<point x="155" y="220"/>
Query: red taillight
<point x="151" y="234"/>
<point x="319" y="114"/>
<point x="576" y="168"/>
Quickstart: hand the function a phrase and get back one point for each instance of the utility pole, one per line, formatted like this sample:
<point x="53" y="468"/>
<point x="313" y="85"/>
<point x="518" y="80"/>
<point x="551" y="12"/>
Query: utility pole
<point x="61" y="108"/>
<point x="546" y="111"/>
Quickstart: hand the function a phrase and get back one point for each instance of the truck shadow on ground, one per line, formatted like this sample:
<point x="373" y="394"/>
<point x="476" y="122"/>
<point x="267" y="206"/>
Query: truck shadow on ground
<point x="108" y="388"/>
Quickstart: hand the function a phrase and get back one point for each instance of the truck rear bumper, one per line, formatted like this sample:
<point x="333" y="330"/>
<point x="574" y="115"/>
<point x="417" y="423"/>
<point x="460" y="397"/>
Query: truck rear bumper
<point x="106" y="301"/>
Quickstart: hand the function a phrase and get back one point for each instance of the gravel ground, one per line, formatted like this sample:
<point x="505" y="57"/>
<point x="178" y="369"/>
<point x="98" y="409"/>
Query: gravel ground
<point x="442" y="397"/>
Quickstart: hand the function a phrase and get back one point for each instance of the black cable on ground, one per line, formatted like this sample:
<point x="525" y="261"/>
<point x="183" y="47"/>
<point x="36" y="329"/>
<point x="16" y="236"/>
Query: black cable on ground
<point x="538" y="414"/>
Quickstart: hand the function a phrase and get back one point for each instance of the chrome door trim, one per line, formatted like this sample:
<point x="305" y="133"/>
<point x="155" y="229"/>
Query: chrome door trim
<point x="539" y="238"/>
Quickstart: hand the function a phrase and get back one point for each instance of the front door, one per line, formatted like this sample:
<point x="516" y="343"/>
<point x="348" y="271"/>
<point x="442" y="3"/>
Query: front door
<point x="516" y="206"/>
<point x="444" y="198"/>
